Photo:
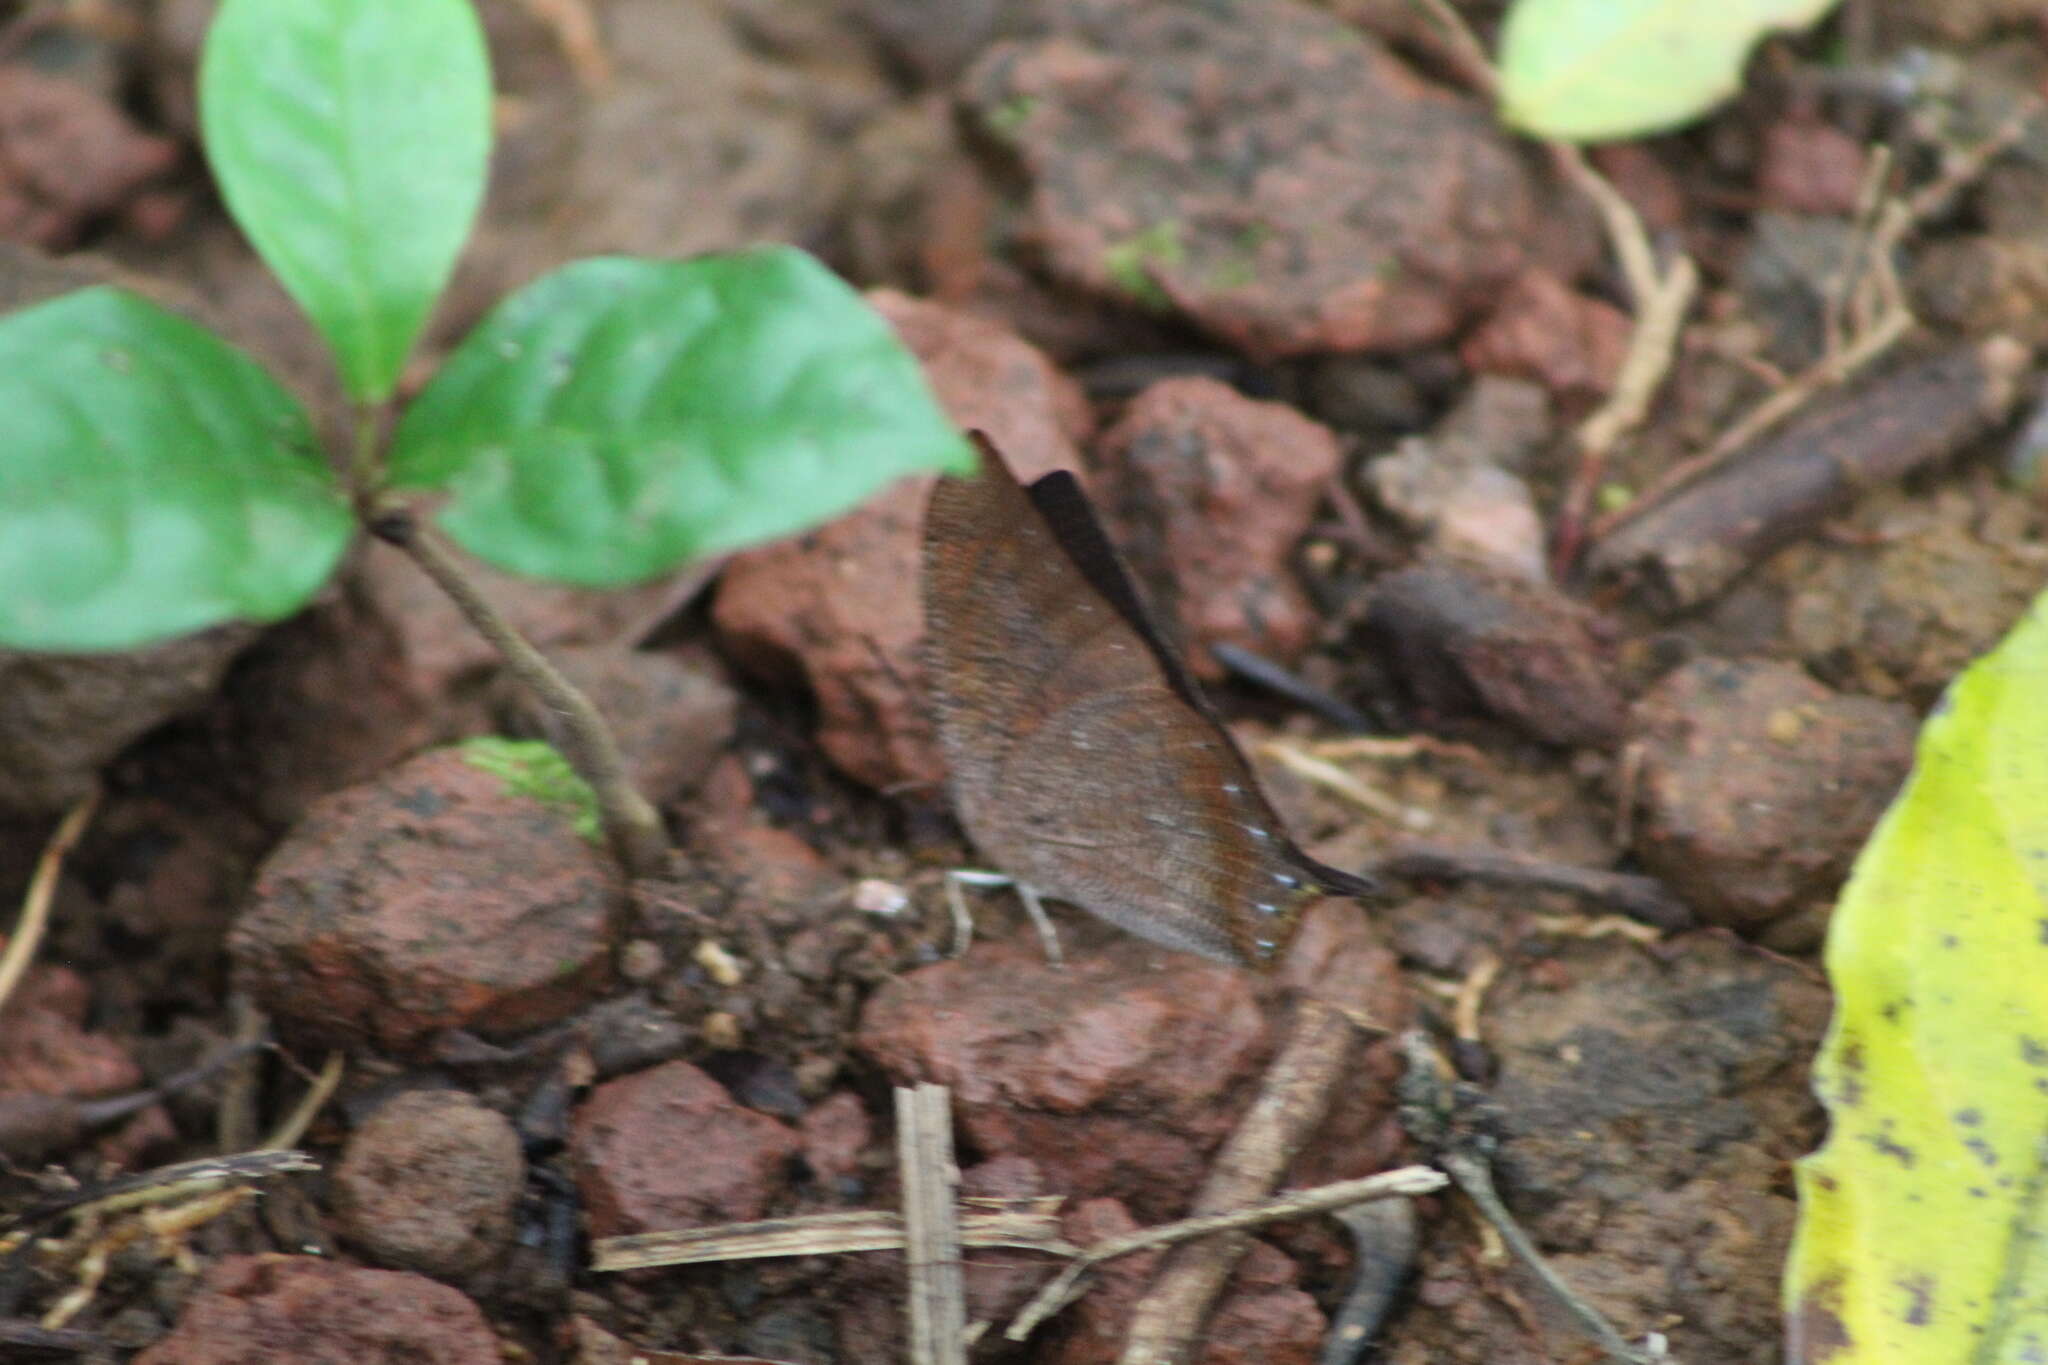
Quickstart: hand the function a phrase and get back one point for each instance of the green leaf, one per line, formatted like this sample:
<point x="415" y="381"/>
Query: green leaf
<point x="350" y="139"/>
<point x="1922" y="1231"/>
<point x="153" y="480"/>
<point x="1594" y="70"/>
<point x="620" y="416"/>
<point x="537" y="771"/>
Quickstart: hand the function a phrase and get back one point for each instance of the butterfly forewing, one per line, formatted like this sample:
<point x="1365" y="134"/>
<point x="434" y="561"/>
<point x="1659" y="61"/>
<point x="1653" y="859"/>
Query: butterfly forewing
<point x="1083" y="758"/>
<point x="1008" y="622"/>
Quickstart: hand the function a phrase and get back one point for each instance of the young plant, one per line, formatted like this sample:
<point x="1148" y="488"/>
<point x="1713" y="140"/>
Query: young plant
<point x="605" y="424"/>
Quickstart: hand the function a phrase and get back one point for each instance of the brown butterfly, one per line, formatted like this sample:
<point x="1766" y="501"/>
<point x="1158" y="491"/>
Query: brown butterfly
<point x="1085" y="760"/>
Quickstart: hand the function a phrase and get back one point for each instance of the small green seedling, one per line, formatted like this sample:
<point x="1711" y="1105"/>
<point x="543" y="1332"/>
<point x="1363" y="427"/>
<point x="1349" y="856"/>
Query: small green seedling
<point x="537" y="771"/>
<point x="605" y="424"/>
<point x="1596" y="70"/>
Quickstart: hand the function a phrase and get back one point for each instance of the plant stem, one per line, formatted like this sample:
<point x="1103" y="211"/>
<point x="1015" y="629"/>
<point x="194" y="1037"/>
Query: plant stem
<point x="630" y="822"/>
<point x="362" y="463"/>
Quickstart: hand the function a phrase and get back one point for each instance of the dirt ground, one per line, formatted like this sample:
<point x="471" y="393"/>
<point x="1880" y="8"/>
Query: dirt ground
<point x="1322" y="341"/>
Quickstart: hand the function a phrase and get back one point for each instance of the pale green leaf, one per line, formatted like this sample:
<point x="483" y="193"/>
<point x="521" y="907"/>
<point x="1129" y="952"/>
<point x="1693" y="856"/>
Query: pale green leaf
<point x="1595" y="70"/>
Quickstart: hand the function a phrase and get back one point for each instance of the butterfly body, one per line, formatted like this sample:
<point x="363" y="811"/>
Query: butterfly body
<point x="1084" y="759"/>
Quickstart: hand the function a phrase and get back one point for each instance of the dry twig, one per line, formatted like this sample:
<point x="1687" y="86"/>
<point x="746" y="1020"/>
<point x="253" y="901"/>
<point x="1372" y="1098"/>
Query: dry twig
<point x="1290" y="1107"/>
<point x="31" y="1337"/>
<point x="1031" y="1225"/>
<point x="1850" y="289"/>
<point x="931" y="1230"/>
<point x="42" y="890"/>
<point x="33" y="1126"/>
<point x="1334" y="779"/>
<point x="1645" y="898"/>
<point x="1590" y="927"/>
<point x="235" y="1119"/>
<point x="164" y="1184"/>
<point x="1405" y="1183"/>
<point x="1795" y="393"/>
<point x="1866" y="314"/>
<point x="165" y="1203"/>
<point x="1296" y="1094"/>
<point x="165" y="1225"/>
<point x="1394" y="749"/>
<point x="301" y="1118"/>
<point x="1628" y="785"/>
<point x="1472" y="996"/>
<point x="1662" y="297"/>
<point x="1662" y="300"/>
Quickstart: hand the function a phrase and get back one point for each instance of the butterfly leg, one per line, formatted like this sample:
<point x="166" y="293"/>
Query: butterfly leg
<point x="963" y="923"/>
<point x="956" y="902"/>
<point x="1047" y="935"/>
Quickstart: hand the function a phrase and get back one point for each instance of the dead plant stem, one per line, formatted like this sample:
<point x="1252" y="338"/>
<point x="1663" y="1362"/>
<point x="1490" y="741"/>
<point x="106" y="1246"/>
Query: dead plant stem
<point x="1662" y="296"/>
<point x="42" y="891"/>
<point x="1867" y="269"/>
<point x="1406" y="1182"/>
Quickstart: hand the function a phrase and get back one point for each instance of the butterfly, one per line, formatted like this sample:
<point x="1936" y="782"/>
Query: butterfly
<point x="1085" y="761"/>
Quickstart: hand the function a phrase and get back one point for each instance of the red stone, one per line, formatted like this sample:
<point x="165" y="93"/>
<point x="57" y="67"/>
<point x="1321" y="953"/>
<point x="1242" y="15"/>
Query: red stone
<point x="1209" y="491"/>
<point x="669" y="1148"/>
<point x="434" y="897"/>
<point x="260" y="1310"/>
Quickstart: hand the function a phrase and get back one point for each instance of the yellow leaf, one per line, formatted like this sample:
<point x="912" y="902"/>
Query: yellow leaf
<point x="1921" y="1219"/>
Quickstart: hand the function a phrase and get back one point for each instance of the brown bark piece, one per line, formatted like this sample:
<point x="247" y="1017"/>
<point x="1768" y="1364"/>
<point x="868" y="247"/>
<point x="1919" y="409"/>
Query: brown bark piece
<point x="1689" y="547"/>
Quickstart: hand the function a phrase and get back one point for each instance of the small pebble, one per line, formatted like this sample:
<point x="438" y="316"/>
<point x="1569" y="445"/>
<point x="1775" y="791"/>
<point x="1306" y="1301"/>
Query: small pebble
<point x="430" y="1182"/>
<point x="873" y="896"/>
<point x="642" y="961"/>
<point x="722" y="966"/>
<point x="722" y="1030"/>
<point x="1784" y="726"/>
